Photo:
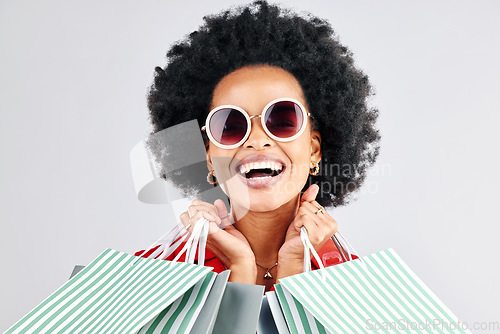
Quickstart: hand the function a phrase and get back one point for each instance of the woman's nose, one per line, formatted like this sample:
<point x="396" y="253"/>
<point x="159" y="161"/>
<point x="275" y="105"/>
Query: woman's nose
<point x="258" y="138"/>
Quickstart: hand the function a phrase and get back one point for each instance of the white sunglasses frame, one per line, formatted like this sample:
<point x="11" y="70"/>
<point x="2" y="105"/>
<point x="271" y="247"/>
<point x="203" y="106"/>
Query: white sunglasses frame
<point x="206" y="127"/>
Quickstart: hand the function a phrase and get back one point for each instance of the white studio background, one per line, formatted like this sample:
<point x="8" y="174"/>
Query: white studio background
<point x="74" y="78"/>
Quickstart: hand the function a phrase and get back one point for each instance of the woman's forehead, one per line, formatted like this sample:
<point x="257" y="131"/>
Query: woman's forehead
<point x="251" y="88"/>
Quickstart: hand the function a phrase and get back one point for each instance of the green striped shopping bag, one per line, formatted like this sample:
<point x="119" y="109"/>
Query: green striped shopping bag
<point x="123" y="293"/>
<point x="115" y="293"/>
<point x="378" y="293"/>
<point x="298" y="319"/>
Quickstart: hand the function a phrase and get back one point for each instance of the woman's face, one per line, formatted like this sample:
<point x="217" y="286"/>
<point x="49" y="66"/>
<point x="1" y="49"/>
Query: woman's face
<point x="252" y="88"/>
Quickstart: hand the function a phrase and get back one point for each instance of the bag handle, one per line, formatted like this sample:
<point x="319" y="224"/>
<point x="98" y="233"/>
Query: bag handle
<point x="200" y="228"/>
<point x="176" y="236"/>
<point x="198" y="239"/>
<point x="309" y="249"/>
<point x="166" y="239"/>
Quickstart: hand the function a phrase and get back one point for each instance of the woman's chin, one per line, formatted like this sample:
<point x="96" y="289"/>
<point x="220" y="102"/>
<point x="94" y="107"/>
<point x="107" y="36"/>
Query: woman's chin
<point x="259" y="202"/>
<point x="261" y="195"/>
<point x="264" y="206"/>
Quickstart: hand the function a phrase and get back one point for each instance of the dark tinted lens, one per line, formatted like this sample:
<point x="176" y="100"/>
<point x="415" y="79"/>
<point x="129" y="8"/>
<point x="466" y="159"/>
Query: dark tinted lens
<point x="284" y="119"/>
<point x="228" y="126"/>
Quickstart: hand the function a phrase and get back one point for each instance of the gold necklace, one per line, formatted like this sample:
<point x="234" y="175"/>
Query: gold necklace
<point x="267" y="275"/>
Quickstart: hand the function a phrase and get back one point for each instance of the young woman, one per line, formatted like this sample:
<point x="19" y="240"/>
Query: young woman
<point x="283" y="112"/>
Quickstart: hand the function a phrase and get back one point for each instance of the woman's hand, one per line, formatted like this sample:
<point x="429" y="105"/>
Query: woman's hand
<point x="224" y="241"/>
<point x="320" y="227"/>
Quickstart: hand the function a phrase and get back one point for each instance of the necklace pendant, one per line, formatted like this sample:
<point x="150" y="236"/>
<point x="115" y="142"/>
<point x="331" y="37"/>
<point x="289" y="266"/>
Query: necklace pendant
<point x="268" y="275"/>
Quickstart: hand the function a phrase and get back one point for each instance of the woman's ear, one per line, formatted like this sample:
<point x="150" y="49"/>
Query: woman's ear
<point x="209" y="158"/>
<point x="315" y="146"/>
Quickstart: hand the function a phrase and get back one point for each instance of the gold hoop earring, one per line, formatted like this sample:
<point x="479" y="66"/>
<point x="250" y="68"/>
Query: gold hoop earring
<point x="315" y="169"/>
<point x="211" y="177"/>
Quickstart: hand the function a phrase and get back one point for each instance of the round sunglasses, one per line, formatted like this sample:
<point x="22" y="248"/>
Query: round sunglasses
<point x="229" y="126"/>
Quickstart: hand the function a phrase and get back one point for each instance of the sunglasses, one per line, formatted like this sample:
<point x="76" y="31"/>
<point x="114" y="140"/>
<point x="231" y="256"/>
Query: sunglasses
<point x="229" y="126"/>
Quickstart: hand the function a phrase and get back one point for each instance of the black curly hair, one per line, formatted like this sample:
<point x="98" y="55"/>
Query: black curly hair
<point x="306" y="46"/>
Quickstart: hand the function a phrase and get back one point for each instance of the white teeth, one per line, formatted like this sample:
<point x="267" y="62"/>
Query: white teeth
<point x="245" y="168"/>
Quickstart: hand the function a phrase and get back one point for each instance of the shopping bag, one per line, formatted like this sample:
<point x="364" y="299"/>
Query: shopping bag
<point x="290" y="316"/>
<point x="240" y="309"/>
<point x="378" y="292"/>
<point x="207" y="315"/>
<point x="115" y="293"/>
<point x="298" y="319"/>
<point x="123" y="293"/>
<point x="179" y="316"/>
<point x="196" y="311"/>
<point x="238" y="305"/>
<point x="270" y="323"/>
<point x="206" y="319"/>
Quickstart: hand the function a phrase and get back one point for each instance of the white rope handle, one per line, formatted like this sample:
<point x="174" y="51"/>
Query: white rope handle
<point x="175" y="237"/>
<point x="308" y="249"/>
<point x="173" y="247"/>
<point x="192" y="242"/>
<point x="203" y="244"/>
<point x="166" y="239"/>
<point x="307" y="253"/>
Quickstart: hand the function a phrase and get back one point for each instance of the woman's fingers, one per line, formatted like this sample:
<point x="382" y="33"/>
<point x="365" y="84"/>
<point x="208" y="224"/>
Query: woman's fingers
<point x="316" y="209"/>
<point x="223" y="214"/>
<point x="219" y="208"/>
<point x="320" y="226"/>
<point x="216" y="214"/>
<point x="227" y="244"/>
<point x="190" y="218"/>
<point x="184" y="217"/>
<point x="202" y="214"/>
<point x="205" y="204"/>
<point x="222" y="218"/>
<point x="310" y="194"/>
<point x="193" y="209"/>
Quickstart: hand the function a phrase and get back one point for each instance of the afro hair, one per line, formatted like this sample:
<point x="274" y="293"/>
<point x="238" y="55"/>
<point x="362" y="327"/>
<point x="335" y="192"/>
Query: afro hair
<point x="306" y="46"/>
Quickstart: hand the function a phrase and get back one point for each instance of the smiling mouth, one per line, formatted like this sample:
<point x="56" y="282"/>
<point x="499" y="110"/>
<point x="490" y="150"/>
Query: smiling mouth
<point x="261" y="173"/>
<point x="260" y="170"/>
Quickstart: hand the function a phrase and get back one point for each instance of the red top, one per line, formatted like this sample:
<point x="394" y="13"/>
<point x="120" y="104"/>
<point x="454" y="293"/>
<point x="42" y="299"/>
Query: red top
<point x="329" y="255"/>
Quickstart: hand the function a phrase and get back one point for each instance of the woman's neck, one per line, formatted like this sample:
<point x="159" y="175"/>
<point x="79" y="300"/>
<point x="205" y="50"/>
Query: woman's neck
<point x="266" y="231"/>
